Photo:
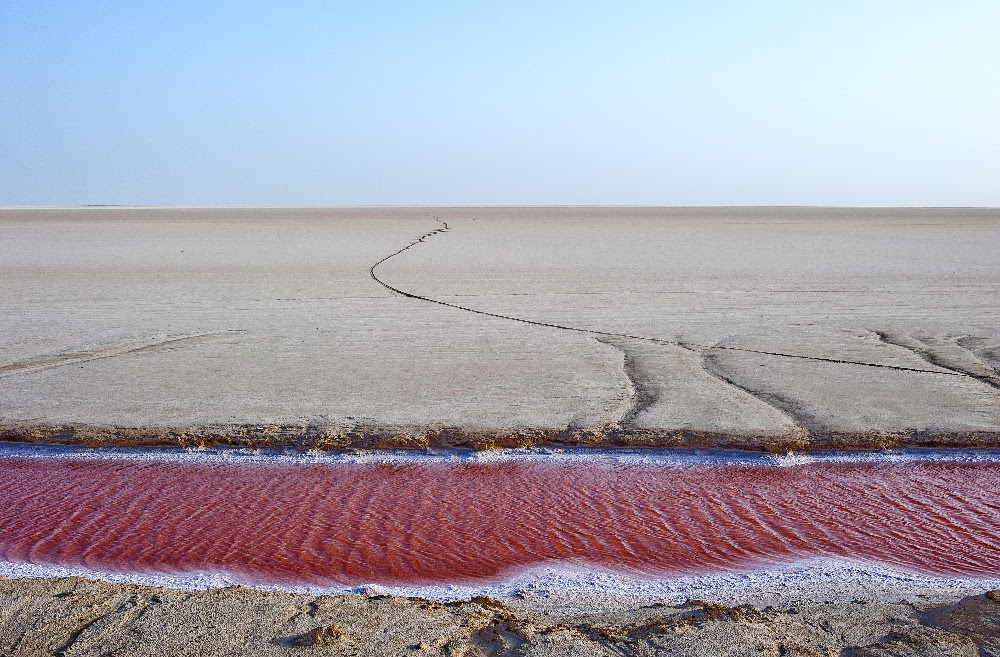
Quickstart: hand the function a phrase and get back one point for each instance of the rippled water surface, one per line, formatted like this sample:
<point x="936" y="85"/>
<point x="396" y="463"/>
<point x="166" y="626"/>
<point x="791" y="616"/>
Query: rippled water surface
<point x="421" y="523"/>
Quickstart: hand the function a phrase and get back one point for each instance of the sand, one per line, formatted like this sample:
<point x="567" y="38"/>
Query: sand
<point x="762" y="328"/>
<point x="73" y="616"/>
<point x="750" y="328"/>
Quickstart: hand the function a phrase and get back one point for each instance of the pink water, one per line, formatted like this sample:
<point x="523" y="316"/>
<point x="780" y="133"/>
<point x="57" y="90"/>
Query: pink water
<point x="421" y="523"/>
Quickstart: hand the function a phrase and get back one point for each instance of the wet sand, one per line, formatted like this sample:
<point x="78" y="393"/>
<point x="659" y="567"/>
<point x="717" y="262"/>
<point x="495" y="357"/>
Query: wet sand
<point x="757" y="328"/>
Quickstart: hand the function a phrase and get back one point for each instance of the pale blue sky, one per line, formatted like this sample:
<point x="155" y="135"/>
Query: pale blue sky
<point x="663" y="103"/>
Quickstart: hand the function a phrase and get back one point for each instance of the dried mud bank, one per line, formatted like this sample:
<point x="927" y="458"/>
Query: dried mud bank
<point x="322" y="435"/>
<point x="74" y="616"/>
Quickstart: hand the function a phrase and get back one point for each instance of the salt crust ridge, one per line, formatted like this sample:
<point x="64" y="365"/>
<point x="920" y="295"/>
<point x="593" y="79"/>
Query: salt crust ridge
<point x="802" y="582"/>
<point x="624" y="456"/>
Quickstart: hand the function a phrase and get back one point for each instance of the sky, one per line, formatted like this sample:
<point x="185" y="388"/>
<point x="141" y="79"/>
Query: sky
<point x="547" y="103"/>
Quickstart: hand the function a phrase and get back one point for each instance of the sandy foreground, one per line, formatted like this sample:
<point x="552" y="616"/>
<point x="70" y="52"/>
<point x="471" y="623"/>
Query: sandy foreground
<point x="73" y="616"/>
<point x="763" y="328"/>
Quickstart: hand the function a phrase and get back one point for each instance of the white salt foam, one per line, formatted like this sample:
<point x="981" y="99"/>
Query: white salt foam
<point x="571" y="588"/>
<point x="640" y="457"/>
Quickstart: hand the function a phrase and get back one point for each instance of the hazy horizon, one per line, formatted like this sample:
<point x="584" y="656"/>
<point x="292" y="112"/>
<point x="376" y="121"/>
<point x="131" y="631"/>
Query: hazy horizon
<point x="885" y="104"/>
<point x="221" y="206"/>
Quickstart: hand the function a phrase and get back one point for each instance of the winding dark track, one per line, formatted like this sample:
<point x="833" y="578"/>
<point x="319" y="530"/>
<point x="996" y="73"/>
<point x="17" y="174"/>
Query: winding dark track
<point x="684" y="345"/>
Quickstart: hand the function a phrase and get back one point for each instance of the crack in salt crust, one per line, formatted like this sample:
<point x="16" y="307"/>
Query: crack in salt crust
<point x="612" y="334"/>
<point x="49" y="361"/>
<point x="926" y="352"/>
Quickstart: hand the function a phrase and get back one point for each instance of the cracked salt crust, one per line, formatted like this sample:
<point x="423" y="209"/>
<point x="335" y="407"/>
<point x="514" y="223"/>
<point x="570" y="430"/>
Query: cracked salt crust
<point x="753" y="327"/>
